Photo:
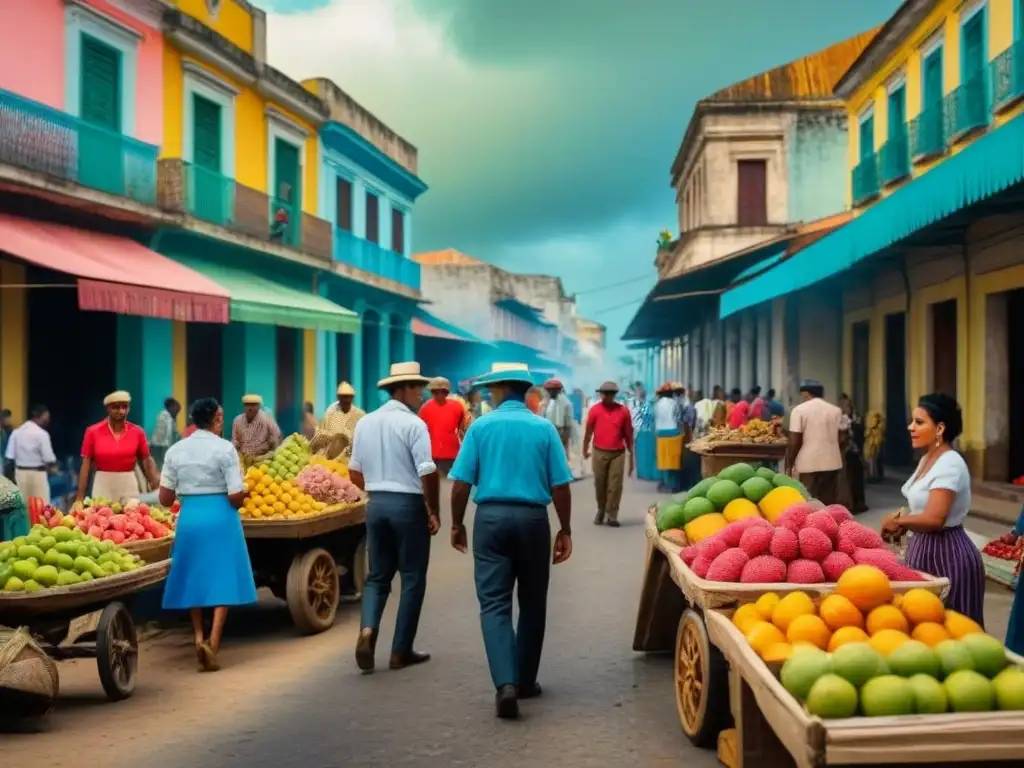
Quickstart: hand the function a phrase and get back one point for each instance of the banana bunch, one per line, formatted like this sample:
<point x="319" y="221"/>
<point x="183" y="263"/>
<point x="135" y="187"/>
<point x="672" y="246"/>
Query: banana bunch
<point x="754" y="431"/>
<point x="874" y="435"/>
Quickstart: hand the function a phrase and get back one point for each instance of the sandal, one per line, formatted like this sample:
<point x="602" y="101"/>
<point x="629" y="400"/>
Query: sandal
<point x="209" y="658"/>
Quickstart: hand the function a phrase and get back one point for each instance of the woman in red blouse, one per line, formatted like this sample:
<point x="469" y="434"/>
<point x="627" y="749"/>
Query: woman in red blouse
<point x="113" y="448"/>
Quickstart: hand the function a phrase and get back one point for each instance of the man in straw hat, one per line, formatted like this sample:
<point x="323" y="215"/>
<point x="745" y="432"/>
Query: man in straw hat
<point x="254" y="431"/>
<point x="391" y="459"/>
<point x="446" y="419"/>
<point x="558" y="410"/>
<point x="333" y="436"/>
<point x="114" y="447"/>
<point x="610" y="427"/>
<point x="518" y="466"/>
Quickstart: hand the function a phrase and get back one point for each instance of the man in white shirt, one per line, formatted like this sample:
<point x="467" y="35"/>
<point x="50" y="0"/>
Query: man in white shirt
<point x="815" y="433"/>
<point x="31" y="451"/>
<point x="391" y="458"/>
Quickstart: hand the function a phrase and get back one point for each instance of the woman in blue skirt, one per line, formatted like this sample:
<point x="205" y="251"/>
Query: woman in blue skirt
<point x="210" y="563"/>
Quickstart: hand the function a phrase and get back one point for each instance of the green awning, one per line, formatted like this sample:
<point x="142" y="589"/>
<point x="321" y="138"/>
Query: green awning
<point x="256" y="299"/>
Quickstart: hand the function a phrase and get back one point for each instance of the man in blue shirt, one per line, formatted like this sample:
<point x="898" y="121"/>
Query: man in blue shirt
<point x="516" y="461"/>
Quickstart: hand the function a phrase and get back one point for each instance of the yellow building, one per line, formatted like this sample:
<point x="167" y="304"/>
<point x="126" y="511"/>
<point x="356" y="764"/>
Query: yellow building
<point x="930" y="271"/>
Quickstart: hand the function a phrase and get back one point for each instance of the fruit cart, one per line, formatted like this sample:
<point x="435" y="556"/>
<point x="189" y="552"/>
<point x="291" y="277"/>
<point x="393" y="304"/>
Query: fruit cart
<point x="674" y="603"/>
<point x="301" y="561"/>
<point x="772" y="728"/>
<point x="716" y="456"/>
<point x="88" y="620"/>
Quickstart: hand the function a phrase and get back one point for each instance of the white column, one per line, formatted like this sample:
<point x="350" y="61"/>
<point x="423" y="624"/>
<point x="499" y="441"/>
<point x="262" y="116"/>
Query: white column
<point x="747" y="343"/>
<point x="732" y="354"/>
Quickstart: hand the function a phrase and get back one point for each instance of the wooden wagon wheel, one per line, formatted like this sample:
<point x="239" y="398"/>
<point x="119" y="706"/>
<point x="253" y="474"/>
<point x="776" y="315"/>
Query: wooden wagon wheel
<point x="117" y="651"/>
<point x="701" y="682"/>
<point x="360" y="566"/>
<point x="313" y="590"/>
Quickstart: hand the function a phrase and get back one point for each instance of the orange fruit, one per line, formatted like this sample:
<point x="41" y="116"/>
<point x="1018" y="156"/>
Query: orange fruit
<point x="762" y="635"/>
<point x="885" y="641"/>
<point x="809" y="629"/>
<point x="792" y="605"/>
<point x="838" y="611"/>
<point x="959" y="625"/>
<point x="777" y="652"/>
<point x="865" y="586"/>
<point x="766" y="605"/>
<point x="897" y="600"/>
<point x="930" y="633"/>
<point x="845" y="635"/>
<point x="920" y="605"/>
<point x="886" y="617"/>
<point x="745" y="617"/>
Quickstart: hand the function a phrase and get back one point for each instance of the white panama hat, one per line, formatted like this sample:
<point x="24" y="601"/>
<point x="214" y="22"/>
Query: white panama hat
<point x="403" y="373"/>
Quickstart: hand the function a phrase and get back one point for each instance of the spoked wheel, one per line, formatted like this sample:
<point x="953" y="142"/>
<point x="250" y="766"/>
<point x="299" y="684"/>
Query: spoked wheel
<point x="360" y="566"/>
<point x="117" y="651"/>
<point x="702" y="689"/>
<point x="313" y="590"/>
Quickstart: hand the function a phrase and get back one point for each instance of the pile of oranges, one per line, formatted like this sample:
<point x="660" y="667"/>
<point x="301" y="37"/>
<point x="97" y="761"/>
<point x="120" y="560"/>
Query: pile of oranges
<point x="272" y="499"/>
<point x="862" y="609"/>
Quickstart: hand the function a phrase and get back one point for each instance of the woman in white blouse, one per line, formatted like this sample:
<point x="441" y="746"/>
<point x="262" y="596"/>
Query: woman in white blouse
<point x="210" y="563"/>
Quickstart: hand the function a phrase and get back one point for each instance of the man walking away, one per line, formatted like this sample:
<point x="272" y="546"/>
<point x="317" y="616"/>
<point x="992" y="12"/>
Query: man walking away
<point x="517" y="464"/>
<point x="166" y="432"/>
<point x="610" y="426"/>
<point x="391" y="459"/>
<point x="446" y="420"/>
<point x="558" y="411"/>
<point x="814" y="437"/>
<point x="31" y="452"/>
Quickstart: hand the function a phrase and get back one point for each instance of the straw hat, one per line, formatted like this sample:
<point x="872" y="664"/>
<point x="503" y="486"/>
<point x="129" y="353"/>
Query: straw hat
<point x="345" y="390"/>
<point x="439" y="382"/>
<point x="117" y="397"/>
<point x="608" y="386"/>
<point x="403" y="373"/>
<point x="252" y="400"/>
<point x="503" y="373"/>
<point x="664" y="388"/>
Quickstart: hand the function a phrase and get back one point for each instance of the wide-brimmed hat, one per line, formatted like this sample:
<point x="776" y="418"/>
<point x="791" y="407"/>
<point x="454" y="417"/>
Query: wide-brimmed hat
<point x="664" y="388"/>
<point x="503" y="373"/>
<point x="252" y="400"/>
<point x="439" y="383"/>
<point x="345" y="390"/>
<point x="117" y="397"/>
<point x="608" y="386"/>
<point x="403" y="373"/>
<point x="553" y="384"/>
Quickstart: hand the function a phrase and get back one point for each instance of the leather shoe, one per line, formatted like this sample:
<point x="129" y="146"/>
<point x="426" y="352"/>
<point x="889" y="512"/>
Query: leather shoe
<point x="506" y="705"/>
<point x="365" y="647"/>
<point x="529" y="691"/>
<point x="403" y="660"/>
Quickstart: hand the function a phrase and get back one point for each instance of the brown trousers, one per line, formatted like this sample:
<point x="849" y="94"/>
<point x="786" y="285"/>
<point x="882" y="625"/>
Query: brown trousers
<point x="609" y="467"/>
<point x="826" y="487"/>
<point x="565" y="435"/>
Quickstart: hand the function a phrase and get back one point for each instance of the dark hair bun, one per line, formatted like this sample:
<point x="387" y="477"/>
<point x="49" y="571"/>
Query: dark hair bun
<point x="944" y="410"/>
<point x="204" y="411"/>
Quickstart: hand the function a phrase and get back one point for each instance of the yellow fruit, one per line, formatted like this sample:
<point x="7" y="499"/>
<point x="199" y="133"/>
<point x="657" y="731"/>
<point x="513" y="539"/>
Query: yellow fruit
<point x="885" y="641"/>
<point x="704" y="526"/>
<point x="886" y="617"/>
<point x="745" y="617"/>
<point x="897" y="600"/>
<point x="765" y="605"/>
<point x="865" y="586"/>
<point x="792" y="605"/>
<point x="845" y="635"/>
<point x="777" y="653"/>
<point x="737" y="509"/>
<point x="809" y="629"/>
<point x="778" y="500"/>
<point x="266" y="509"/>
<point x="930" y="633"/>
<point x="920" y="606"/>
<point x="839" y="612"/>
<point x="959" y="625"/>
<point x="279" y="507"/>
<point x="293" y="506"/>
<point x="285" y="498"/>
<point x="763" y="635"/>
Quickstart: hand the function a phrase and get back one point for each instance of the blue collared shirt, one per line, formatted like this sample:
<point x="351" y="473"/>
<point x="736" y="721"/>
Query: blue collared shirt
<point x="512" y="456"/>
<point x="391" y="449"/>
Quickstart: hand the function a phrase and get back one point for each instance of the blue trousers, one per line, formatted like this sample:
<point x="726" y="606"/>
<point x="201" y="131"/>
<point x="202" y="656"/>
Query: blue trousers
<point x="397" y="541"/>
<point x="512" y="545"/>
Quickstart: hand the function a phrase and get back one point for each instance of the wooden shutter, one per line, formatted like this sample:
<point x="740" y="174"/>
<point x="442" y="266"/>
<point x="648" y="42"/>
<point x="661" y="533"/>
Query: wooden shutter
<point x="101" y="84"/>
<point x="973" y="57"/>
<point x="206" y="133"/>
<point x="397" y="231"/>
<point x="372" y="218"/>
<point x="867" y="137"/>
<point x="897" y="112"/>
<point x="932" y="91"/>
<point x="344" y="187"/>
<point x="286" y="172"/>
<point x="752" y="205"/>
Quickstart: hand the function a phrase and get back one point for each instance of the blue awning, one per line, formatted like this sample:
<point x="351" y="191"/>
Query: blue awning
<point x="992" y="164"/>
<point x="434" y="327"/>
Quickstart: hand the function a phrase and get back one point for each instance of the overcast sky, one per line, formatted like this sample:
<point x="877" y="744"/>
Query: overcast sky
<point x="546" y="128"/>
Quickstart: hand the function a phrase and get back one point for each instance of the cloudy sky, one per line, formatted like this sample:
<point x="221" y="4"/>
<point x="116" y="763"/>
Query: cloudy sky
<point x="546" y="128"/>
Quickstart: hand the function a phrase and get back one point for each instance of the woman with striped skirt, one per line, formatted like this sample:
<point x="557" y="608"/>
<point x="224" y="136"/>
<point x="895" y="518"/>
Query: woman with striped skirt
<point x="938" y="500"/>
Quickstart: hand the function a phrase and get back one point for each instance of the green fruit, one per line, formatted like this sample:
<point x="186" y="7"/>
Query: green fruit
<point x="6" y="571"/>
<point x="832" y="697"/>
<point x="701" y="488"/>
<point x="785" y="480"/>
<point x="7" y="549"/>
<point x="33" y="586"/>
<point x="738" y="473"/>
<point x="106" y="557"/>
<point x="671" y="516"/>
<point x="46" y="575"/>
<point x="87" y="565"/>
<point x="697" y="507"/>
<point x="65" y="562"/>
<point x="24" y="569"/>
<point x="756" y="488"/>
<point x="953" y="657"/>
<point x="20" y="541"/>
<point x="81" y="551"/>
<point x="802" y="670"/>
<point x="86" y="576"/>
<point x="62" y="534"/>
<point x="1008" y="686"/>
<point x="767" y="473"/>
<point x="987" y="653"/>
<point x="857" y="663"/>
<point x="51" y="557"/>
<point x="887" y="695"/>
<point x="67" y="578"/>
<point x="30" y="550"/>
<point x="14" y="584"/>
<point x="111" y="567"/>
<point x="929" y="695"/>
<point x="914" y="658"/>
<point x="722" y="492"/>
<point x="105" y="546"/>
<point x="969" y="691"/>
<point x="47" y="543"/>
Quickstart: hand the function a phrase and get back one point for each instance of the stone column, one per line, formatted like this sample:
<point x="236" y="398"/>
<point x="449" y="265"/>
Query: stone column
<point x="747" y="350"/>
<point x="764" y="349"/>
<point x="732" y="354"/>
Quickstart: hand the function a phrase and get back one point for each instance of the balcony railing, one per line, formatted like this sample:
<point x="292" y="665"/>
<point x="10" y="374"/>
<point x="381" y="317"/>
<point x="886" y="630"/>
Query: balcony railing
<point x="967" y="107"/>
<point x="39" y="138"/>
<point x="894" y="158"/>
<point x="1008" y="76"/>
<point x="209" y="195"/>
<point x="927" y="133"/>
<point x="865" y="180"/>
<point x="372" y="258"/>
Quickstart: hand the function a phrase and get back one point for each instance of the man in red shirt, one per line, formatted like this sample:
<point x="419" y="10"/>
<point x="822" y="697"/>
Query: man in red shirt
<point x="610" y="426"/>
<point x="446" y="423"/>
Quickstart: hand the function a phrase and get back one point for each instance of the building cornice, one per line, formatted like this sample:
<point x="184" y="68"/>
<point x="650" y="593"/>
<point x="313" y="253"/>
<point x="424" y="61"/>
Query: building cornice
<point x="278" y="87"/>
<point x="209" y="78"/>
<point x="198" y="40"/>
<point x="351" y="146"/>
<point x="82" y="8"/>
<point x="149" y="12"/>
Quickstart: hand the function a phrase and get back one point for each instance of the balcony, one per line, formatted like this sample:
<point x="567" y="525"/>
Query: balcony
<point x="967" y="108"/>
<point x="865" y="180"/>
<point x="372" y="258"/>
<point x="38" y="138"/>
<point x="927" y="134"/>
<point x="894" y="158"/>
<point x="209" y="196"/>
<point x="1008" y="77"/>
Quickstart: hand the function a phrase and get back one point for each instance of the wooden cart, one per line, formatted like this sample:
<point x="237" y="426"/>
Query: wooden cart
<point x="772" y="729"/>
<point x="673" y="605"/>
<point x="714" y="457"/>
<point x="151" y="550"/>
<point x="105" y="631"/>
<point x="303" y="561"/>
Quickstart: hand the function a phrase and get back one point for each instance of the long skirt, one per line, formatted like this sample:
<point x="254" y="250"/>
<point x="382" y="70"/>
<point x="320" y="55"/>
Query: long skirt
<point x="209" y="561"/>
<point x="669" y="449"/>
<point x="115" y="486"/>
<point x="951" y="553"/>
<point x="645" y="458"/>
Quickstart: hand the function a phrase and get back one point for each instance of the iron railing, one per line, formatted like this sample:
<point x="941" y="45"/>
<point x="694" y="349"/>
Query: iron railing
<point x="372" y="258"/>
<point x="865" y="180"/>
<point x="894" y="157"/>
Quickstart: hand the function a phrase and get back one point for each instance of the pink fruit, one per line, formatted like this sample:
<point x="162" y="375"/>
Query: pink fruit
<point x="785" y="544"/>
<point x="105" y="511"/>
<point x="824" y="522"/>
<point x="795" y="517"/>
<point x="712" y="547"/>
<point x="805" y="572"/>
<point x="900" y="572"/>
<point x="147" y="536"/>
<point x="763" y="569"/>
<point x="116" y="536"/>
<point x="728" y="566"/>
<point x="853" y="535"/>
<point x="701" y="565"/>
<point x="874" y="557"/>
<point x="839" y="513"/>
<point x="835" y="564"/>
<point x="755" y="541"/>
<point x="143" y="510"/>
<point x="814" y="544"/>
<point x="118" y="523"/>
<point x="689" y="554"/>
<point x="56" y="521"/>
<point x="731" y="533"/>
<point x="96" y="532"/>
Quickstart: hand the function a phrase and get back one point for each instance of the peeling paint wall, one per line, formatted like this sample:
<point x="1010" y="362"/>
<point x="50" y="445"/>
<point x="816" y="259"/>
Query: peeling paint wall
<point x="817" y="158"/>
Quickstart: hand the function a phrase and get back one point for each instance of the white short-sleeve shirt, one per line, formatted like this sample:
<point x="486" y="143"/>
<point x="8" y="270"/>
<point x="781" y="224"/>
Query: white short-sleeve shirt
<point x="202" y="464"/>
<point x="819" y="422"/>
<point x="949" y="472"/>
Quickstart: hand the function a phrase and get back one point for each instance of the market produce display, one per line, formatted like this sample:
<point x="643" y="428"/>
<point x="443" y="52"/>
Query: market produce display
<point x="862" y="650"/>
<point x="1006" y="547"/>
<point x="60" y="557"/>
<point x="134" y="521"/>
<point x="754" y="431"/>
<point x="324" y="485"/>
<point x="337" y="466"/>
<point x="289" y="459"/>
<point x="271" y="498"/>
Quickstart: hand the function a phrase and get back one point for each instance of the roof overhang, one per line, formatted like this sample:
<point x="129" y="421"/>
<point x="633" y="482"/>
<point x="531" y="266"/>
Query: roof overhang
<point x="351" y="145"/>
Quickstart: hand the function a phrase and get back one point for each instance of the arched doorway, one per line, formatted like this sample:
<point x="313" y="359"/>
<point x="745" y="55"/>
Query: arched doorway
<point x="371" y="358"/>
<point x="396" y="338"/>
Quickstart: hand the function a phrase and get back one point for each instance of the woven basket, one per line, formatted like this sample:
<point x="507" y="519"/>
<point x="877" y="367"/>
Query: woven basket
<point x="28" y="677"/>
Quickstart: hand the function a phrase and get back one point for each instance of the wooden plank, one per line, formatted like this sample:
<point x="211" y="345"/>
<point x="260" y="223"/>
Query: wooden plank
<point x="342" y="516"/>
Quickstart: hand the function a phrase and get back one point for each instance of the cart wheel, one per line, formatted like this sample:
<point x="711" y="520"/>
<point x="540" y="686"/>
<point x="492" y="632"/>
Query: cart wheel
<point x="702" y="686"/>
<point x="313" y="591"/>
<point x="117" y="651"/>
<point x="360" y="566"/>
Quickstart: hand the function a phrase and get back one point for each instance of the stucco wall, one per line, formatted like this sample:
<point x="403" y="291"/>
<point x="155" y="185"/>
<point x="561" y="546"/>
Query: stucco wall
<point x="817" y="164"/>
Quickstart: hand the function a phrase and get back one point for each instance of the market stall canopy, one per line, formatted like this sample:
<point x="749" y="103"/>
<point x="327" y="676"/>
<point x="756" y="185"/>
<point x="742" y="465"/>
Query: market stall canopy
<point x="116" y="274"/>
<point x="256" y="299"/>
<point x="431" y="326"/>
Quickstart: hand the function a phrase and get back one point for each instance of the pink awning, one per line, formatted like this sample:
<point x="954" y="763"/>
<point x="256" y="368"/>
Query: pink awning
<point x="420" y="328"/>
<point x="116" y="274"/>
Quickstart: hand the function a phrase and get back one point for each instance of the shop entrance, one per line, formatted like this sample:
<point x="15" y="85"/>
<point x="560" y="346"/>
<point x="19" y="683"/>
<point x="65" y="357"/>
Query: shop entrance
<point x="289" y="379"/>
<point x="371" y="360"/>
<point x="204" y="344"/>
<point x="944" y="347"/>
<point x="896" y="451"/>
<point x="1015" y="388"/>
<point x="860" y="363"/>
